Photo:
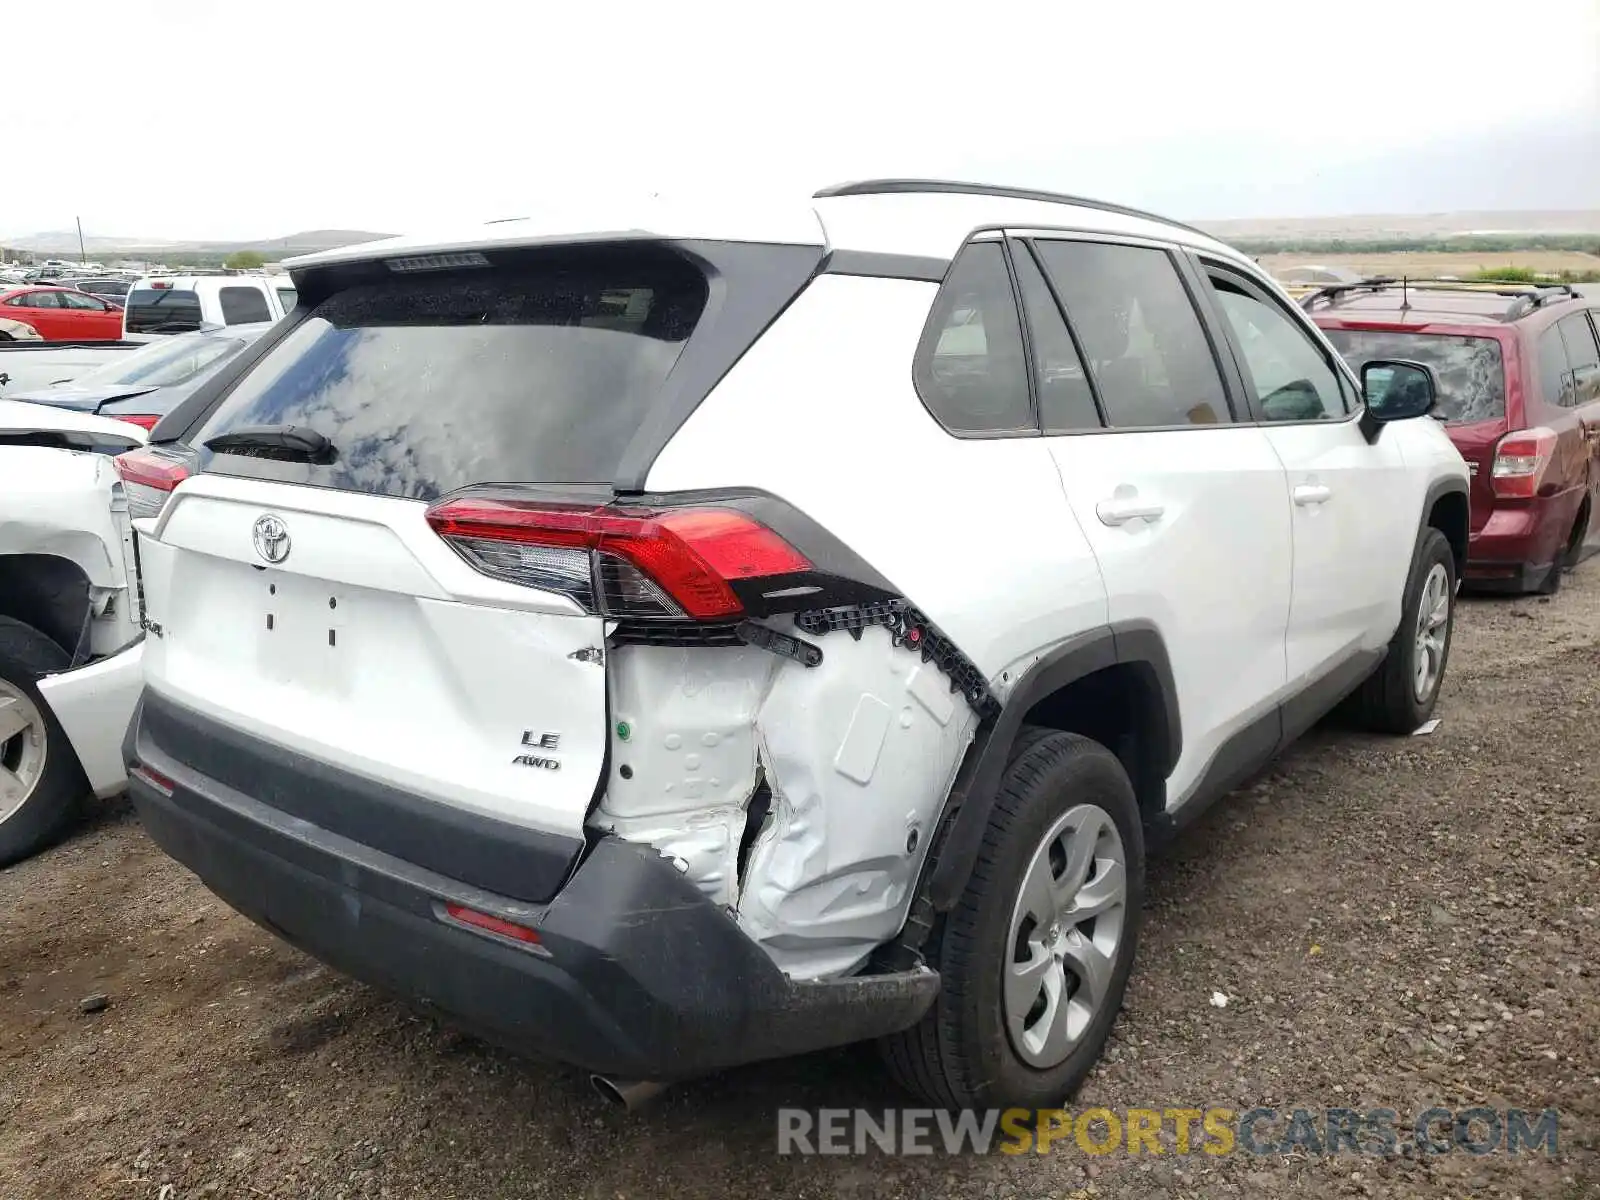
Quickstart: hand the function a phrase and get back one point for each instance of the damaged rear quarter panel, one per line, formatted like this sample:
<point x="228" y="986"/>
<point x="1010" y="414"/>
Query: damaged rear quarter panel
<point x="58" y="502"/>
<point x="861" y="750"/>
<point x="858" y="752"/>
<point x="681" y="779"/>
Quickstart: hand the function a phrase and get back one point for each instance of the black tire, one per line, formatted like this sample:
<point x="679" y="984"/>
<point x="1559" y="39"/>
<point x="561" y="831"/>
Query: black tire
<point x="960" y="1054"/>
<point x="1572" y="552"/>
<point x="25" y="655"/>
<point x="1551" y="583"/>
<point x="1388" y="702"/>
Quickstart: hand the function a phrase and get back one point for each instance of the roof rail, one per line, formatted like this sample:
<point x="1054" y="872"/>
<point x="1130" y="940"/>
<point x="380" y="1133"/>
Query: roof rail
<point x="1332" y="291"/>
<point x="1535" y="295"/>
<point x="903" y="187"/>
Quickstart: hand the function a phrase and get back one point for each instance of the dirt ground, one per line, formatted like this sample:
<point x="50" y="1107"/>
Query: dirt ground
<point x="1396" y="923"/>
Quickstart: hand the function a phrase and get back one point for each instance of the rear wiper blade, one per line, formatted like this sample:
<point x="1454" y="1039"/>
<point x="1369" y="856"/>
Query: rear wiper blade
<point x="289" y="443"/>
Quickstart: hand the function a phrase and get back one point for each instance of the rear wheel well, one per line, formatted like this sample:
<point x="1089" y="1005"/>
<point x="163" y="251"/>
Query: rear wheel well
<point x="48" y="593"/>
<point x="1580" y="521"/>
<point x="1449" y="516"/>
<point x="1122" y="708"/>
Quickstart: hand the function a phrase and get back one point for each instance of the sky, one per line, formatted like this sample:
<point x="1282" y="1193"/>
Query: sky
<point x="248" y="119"/>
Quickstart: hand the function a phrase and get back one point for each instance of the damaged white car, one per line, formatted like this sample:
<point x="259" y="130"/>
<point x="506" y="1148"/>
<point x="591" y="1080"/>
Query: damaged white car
<point x="763" y="631"/>
<point x="69" y="618"/>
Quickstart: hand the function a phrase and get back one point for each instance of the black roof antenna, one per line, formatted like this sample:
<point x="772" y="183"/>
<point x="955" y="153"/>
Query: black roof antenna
<point x="1405" y="302"/>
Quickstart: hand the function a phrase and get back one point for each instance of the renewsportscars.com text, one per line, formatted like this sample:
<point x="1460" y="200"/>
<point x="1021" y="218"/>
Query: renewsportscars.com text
<point x="1213" y="1131"/>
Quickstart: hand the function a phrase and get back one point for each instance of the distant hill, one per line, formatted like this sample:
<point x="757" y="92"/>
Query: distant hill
<point x="65" y="243"/>
<point x="295" y="243"/>
<point x="1405" y="225"/>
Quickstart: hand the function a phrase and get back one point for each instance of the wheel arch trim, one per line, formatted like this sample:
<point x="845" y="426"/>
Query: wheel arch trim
<point x="972" y="796"/>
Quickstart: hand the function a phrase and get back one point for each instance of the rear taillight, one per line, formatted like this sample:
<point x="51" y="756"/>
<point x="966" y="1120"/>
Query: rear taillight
<point x="149" y="476"/>
<point x="142" y="421"/>
<point x="1520" y="461"/>
<point x="666" y="564"/>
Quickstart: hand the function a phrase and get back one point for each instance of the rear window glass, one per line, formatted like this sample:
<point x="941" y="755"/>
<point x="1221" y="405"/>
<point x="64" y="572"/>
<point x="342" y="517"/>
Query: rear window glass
<point x="287" y="298"/>
<point x="164" y="363"/>
<point x="424" y="384"/>
<point x="162" y="310"/>
<point x="1471" y="374"/>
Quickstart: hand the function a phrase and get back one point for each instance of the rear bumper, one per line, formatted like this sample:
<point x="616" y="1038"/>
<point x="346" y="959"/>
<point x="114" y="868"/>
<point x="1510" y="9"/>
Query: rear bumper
<point x="94" y="705"/>
<point x="636" y="975"/>
<point x="1516" y="546"/>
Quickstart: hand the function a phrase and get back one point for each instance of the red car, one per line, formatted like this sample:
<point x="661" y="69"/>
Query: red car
<point x="1519" y="387"/>
<point x="62" y="314"/>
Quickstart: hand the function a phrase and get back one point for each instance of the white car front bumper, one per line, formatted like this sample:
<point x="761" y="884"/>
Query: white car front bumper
<point x="94" y="705"/>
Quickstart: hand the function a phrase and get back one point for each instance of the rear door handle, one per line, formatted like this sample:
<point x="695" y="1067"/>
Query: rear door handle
<point x="1307" y="494"/>
<point x="1120" y="511"/>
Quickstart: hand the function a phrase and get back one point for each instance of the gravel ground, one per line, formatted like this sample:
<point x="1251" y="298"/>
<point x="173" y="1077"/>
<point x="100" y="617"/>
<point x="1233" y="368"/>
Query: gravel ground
<point x="1396" y="923"/>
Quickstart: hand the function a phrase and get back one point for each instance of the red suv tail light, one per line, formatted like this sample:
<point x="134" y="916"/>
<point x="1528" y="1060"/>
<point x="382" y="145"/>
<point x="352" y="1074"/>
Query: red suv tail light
<point x="1520" y="461"/>
<point x="149" y="477"/>
<point x="666" y="564"/>
<point x="143" y="422"/>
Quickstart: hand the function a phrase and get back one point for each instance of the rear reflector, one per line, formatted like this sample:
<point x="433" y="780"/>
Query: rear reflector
<point x="492" y="924"/>
<point x="149" y="477"/>
<point x="1520" y="461"/>
<point x="153" y="777"/>
<point x="626" y="562"/>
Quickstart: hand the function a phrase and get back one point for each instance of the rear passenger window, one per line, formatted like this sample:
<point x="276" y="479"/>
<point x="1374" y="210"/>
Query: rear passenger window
<point x="1583" y="356"/>
<point x="1146" y="348"/>
<point x="1066" y="401"/>
<point x="1555" y="377"/>
<point x="1290" y="375"/>
<point x="970" y="369"/>
<point x="244" y="306"/>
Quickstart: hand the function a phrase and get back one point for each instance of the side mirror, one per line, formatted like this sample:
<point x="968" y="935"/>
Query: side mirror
<point x="1395" y="390"/>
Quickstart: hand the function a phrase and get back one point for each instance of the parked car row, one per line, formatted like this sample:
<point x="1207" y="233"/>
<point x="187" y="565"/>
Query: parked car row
<point x="113" y="310"/>
<point x="496" y="652"/>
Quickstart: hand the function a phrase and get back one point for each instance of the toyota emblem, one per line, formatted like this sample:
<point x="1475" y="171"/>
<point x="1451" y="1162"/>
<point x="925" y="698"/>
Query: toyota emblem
<point x="271" y="537"/>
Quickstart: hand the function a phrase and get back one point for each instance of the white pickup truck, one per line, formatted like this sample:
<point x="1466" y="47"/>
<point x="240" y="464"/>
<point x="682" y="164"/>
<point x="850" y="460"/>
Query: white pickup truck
<point x="70" y="618"/>
<point x="165" y="304"/>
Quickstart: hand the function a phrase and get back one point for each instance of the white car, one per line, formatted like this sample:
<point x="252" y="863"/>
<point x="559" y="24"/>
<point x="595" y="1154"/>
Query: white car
<point x="161" y="304"/>
<point x="69" y="618"/>
<point x="765" y="630"/>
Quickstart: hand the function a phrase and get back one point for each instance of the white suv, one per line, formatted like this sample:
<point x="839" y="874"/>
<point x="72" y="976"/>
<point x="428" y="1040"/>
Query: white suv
<point x="759" y="632"/>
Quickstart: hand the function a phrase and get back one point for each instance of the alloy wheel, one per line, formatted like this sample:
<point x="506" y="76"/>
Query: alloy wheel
<point x="1065" y="929"/>
<point x="22" y="748"/>
<point x="1433" y="631"/>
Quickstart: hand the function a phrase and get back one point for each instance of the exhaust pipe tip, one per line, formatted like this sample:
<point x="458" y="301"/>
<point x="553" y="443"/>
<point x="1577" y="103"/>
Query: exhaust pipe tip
<point x="628" y="1094"/>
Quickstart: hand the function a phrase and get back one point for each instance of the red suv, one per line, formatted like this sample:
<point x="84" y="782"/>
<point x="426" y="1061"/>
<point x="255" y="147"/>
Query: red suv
<point x="1519" y="387"/>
